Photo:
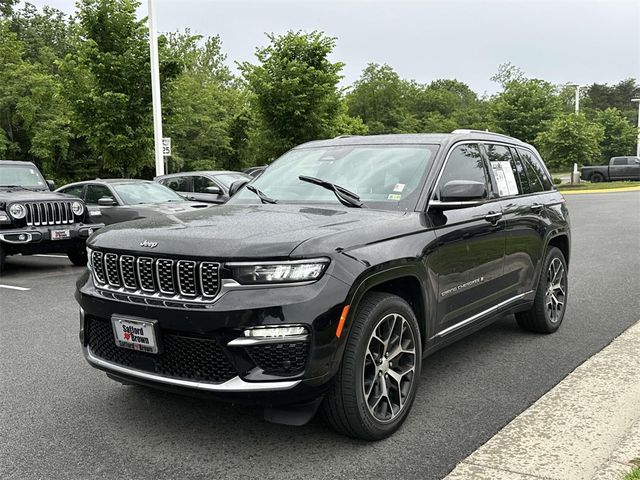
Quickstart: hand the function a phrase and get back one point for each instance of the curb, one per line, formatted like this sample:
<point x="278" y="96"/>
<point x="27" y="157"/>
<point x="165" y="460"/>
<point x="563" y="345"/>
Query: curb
<point x="586" y="427"/>
<point x="602" y="190"/>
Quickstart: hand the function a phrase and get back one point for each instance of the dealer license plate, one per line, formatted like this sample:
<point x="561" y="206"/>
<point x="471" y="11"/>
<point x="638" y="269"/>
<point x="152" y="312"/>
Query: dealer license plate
<point x="135" y="334"/>
<point x="60" y="234"/>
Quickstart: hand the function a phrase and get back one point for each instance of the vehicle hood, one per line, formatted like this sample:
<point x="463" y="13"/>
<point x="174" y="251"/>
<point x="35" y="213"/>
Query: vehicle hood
<point x="19" y="195"/>
<point x="252" y="231"/>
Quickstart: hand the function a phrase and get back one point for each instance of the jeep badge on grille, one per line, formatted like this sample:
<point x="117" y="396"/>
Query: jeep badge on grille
<point x="148" y="244"/>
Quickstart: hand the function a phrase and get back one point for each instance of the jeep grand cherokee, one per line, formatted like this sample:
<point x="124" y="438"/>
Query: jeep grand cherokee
<point x="326" y="280"/>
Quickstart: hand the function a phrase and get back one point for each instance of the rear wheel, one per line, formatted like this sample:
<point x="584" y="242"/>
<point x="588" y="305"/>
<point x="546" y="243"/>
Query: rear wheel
<point x="547" y="312"/>
<point x="78" y="257"/>
<point x="377" y="382"/>
<point x="597" y="178"/>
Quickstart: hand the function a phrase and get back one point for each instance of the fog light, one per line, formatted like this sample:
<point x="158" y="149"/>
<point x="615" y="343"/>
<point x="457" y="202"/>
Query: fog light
<point x="22" y="237"/>
<point x="277" y="331"/>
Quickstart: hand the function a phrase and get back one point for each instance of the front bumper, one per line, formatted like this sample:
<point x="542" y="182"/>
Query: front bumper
<point x="193" y="337"/>
<point x="30" y="236"/>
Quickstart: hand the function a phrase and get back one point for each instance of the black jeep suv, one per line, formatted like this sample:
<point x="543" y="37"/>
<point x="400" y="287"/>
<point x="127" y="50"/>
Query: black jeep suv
<point x="326" y="280"/>
<point x="33" y="219"/>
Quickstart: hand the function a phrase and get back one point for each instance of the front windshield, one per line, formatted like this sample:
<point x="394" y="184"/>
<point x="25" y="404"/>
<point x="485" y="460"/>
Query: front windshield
<point x="383" y="176"/>
<point x="135" y="193"/>
<point x="21" y="175"/>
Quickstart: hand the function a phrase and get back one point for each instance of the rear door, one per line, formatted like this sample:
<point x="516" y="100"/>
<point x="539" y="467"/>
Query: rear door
<point x="469" y="258"/>
<point x="618" y="169"/>
<point x="528" y="216"/>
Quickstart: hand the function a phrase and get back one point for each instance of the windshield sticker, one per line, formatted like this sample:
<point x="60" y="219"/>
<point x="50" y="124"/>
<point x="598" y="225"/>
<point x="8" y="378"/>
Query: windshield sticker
<point x="394" y="196"/>
<point x="399" y="187"/>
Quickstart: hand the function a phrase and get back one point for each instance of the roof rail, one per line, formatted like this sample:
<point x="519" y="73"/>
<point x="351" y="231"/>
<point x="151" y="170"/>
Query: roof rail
<point x="346" y="136"/>
<point x="467" y="130"/>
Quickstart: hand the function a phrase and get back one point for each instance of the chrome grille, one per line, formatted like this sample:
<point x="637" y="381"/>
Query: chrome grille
<point x="49" y="213"/>
<point x="97" y="263"/>
<point x="160" y="278"/>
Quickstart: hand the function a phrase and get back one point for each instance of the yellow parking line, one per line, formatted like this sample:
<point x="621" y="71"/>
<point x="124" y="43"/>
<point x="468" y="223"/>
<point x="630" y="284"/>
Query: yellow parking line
<point x="602" y="190"/>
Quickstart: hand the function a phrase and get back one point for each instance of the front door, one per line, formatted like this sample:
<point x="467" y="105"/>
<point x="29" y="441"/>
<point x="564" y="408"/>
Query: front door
<point x="469" y="258"/>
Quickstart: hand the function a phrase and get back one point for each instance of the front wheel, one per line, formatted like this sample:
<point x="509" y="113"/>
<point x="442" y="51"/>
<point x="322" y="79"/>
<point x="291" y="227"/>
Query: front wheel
<point x="549" y="306"/>
<point x="377" y="382"/>
<point x="78" y="257"/>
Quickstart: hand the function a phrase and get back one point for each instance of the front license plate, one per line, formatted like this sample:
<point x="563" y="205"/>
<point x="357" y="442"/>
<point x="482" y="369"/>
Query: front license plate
<point x="135" y="334"/>
<point x="60" y="234"/>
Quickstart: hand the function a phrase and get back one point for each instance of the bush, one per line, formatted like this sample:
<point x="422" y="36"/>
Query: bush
<point x="557" y="181"/>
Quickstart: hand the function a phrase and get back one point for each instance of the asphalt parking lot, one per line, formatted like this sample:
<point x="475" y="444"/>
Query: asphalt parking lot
<point x="59" y="418"/>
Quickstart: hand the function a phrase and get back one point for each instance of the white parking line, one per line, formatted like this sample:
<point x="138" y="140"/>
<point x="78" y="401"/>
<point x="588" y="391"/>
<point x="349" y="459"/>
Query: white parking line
<point x="11" y="287"/>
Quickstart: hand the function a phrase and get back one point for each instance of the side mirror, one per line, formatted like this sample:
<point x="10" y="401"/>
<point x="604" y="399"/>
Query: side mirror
<point x="237" y="185"/>
<point x="213" y="190"/>
<point x="106" y="202"/>
<point x="460" y="194"/>
<point x="51" y="184"/>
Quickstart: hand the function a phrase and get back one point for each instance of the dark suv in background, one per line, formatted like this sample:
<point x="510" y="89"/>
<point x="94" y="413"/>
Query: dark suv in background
<point x="327" y="279"/>
<point x="33" y="219"/>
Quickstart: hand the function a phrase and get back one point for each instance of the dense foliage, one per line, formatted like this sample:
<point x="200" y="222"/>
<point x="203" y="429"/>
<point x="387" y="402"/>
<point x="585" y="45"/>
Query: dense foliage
<point x="75" y="98"/>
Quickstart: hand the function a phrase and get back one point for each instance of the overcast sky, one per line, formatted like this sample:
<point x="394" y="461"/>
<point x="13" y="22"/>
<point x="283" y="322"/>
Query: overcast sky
<point x="561" y="41"/>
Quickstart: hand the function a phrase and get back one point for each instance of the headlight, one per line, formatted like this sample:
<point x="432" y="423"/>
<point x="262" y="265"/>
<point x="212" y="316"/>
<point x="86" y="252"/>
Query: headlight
<point x="278" y="272"/>
<point x="77" y="208"/>
<point x="17" y="211"/>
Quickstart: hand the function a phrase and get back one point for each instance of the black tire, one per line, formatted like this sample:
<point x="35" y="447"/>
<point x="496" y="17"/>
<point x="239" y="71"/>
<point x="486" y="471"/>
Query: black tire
<point x="597" y="178"/>
<point x="345" y="406"/>
<point x="78" y="257"/>
<point x="542" y="317"/>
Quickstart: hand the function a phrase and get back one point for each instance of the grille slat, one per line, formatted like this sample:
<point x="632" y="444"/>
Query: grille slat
<point x="160" y="278"/>
<point x="49" y="213"/>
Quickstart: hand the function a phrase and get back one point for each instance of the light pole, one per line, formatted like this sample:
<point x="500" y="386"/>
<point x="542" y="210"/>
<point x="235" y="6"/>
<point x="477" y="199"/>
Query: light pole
<point x="637" y="100"/>
<point x="577" y="100"/>
<point x="155" y="90"/>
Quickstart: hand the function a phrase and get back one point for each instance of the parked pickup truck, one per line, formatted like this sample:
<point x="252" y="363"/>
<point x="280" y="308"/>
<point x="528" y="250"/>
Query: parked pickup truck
<point x="619" y="168"/>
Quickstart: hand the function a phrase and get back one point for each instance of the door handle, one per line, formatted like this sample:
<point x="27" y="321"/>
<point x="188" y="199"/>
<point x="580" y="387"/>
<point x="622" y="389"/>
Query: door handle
<point x="493" y="217"/>
<point x="536" y="207"/>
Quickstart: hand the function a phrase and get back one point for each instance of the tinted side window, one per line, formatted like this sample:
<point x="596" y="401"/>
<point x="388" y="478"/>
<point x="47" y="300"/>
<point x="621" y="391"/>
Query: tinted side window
<point x="95" y="193"/>
<point x="201" y="183"/>
<point x="504" y="170"/>
<point x="620" y="161"/>
<point x="76" y="191"/>
<point x="535" y="171"/>
<point x="464" y="163"/>
<point x="178" y="184"/>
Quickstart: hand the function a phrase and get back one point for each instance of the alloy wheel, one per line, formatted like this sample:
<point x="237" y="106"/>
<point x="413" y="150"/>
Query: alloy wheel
<point x="556" y="295"/>
<point x="389" y="367"/>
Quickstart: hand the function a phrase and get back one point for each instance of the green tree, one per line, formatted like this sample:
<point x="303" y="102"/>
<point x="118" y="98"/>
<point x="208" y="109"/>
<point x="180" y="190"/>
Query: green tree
<point x="619" y="136"/>
<point x="34" y="116"/>
<point x="110" y="85"/>
<point x="205" y="111"/>
<point x="602" y="96"/>
<point x="378" y="99"/>
<point x="570" y="138"/>
<point x="295" y="89"/>
<point x="525" y="107"/>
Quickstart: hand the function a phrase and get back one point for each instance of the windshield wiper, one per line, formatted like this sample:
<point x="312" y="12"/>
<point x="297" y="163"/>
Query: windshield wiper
<point x="261" y="195"/>
<point x="346" y="197"/>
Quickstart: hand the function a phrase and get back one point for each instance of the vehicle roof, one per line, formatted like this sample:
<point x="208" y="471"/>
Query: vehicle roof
<point x="413" y="139"/>
<point x="14" y="162"/>
<point x="200" y="172"/>
<point x="110" y="181"/>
